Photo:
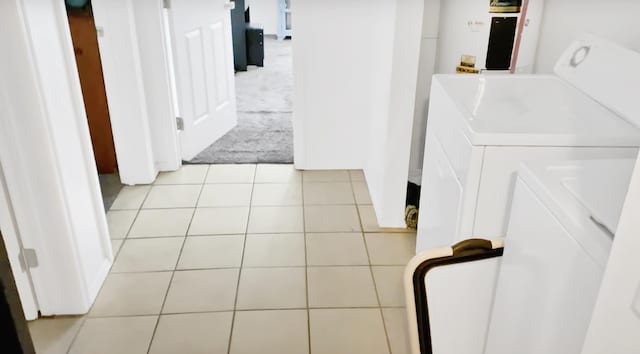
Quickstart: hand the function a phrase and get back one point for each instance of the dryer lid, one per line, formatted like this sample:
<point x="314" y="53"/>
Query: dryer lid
<point x="532" y="110"/>
<point x="607" y="72"/>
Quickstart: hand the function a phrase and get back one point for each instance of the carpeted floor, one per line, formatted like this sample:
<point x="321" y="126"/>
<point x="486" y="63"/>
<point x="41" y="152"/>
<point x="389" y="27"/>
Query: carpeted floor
<point x="264" y="133"/>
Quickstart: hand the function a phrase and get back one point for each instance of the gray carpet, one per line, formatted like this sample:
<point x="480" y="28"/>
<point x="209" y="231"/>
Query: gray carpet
<point x="264" y="133"/>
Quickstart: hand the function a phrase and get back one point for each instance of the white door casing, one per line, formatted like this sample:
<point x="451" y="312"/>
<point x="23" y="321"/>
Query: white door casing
<point x="203" y="60"/>
<point x="13" y="244"/>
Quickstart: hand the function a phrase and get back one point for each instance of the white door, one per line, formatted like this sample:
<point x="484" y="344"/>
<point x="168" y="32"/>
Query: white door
<point x="13" y="246"/>
<point x="204" y="74"/>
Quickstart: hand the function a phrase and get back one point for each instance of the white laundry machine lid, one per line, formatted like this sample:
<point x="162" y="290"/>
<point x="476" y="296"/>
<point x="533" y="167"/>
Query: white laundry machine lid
<point x="591" y="102"/>
<point x="533" y="110"/>
<point x="586" y="197"/>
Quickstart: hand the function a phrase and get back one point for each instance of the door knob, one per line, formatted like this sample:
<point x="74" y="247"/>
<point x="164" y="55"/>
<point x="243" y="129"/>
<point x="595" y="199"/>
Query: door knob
<point x="230" y="5"/>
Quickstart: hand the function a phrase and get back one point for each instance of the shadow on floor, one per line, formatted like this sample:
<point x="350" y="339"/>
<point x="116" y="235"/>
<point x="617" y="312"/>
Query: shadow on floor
<point x="110" y="186"/>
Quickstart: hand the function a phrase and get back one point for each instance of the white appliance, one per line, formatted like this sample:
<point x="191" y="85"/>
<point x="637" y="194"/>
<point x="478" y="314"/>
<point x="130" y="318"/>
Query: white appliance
<point x="481" y="128"/>
<point x="563" y="220"/>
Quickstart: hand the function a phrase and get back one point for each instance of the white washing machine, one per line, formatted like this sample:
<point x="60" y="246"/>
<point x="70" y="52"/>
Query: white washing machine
<point x="481" y="128"/>
<point x="563" y="220"/>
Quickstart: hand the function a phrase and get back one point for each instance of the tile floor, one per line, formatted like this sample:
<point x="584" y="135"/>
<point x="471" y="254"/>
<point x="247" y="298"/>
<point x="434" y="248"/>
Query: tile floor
<point x="244" y="259"/>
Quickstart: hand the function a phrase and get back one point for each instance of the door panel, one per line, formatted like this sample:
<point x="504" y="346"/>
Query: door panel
<point x="203" y="59"/>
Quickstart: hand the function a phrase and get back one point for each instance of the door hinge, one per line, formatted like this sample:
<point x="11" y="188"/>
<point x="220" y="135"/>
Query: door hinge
<point x="100" y="31"/>
<point x="166" y="4"/>
<point x="28" y="258"/>
<point x="180" y="123"/>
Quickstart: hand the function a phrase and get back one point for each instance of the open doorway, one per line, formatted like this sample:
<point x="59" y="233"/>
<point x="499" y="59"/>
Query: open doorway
<point x="87" y="54"/>
<point x="263" y="87"/>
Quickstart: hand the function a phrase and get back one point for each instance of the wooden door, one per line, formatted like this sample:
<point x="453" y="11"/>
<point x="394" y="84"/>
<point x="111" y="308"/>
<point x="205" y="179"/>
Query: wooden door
<point x="85" y="44"/>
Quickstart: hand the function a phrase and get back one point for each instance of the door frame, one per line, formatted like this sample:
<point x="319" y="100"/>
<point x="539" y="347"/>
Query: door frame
<point x="47" y="158"/>
<point x="137" y="81"/>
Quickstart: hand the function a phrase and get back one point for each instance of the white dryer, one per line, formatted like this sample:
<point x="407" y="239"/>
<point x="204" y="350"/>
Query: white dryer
<point x="481" y="128"/>
<point x="563" y="220"/>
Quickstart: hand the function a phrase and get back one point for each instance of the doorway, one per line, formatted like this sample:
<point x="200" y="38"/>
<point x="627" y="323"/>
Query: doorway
<point x="263" y="90"/>
<point x="87" y="54"/>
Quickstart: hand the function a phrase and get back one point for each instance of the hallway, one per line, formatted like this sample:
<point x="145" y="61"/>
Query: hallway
<point x="264" y="133"/>
<point x="245" y="259"/>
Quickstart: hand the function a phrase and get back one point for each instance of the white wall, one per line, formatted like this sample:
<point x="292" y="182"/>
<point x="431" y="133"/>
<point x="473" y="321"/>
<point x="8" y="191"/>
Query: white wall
<point x="426" y="69"/>
<point x="46" y="155"/>
<point x="265" y="13"/>
<point x="389" y="143"/>
<point x="342" y="74"/>
<point x="564" y="20"/>
<point x="616" y="319"/>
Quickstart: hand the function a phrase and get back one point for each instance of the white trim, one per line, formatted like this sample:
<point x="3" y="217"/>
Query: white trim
<point x="136" y="75"/>
<point x="47" y="157"/>
<point x="121" y="69"/>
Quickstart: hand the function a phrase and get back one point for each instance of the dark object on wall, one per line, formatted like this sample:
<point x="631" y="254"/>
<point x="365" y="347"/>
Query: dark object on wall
<point x="85" y="45"/>
<point x="501" y="39"/>
<point x="505" y="6"/>
<point x="255" y="45"/>
<point x="238" y="27"/>
<point x="15" y="333"/>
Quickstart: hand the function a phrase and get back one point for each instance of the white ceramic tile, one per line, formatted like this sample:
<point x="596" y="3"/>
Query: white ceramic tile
<point x="54" y="335"/>
<point x="368" y="218"/>
<point x="122" y="335"/>
<point x="357" y="175"/>
<point x="161" y="223"/>
<point x="225" y="195"/>
<point x="266" y="173"/>
<point x="370" y="221"/>
<point x="131" y="294"/>
<point x="202" y="290"/>
<point x="275" y="220"/>
<point x="119" y="222"/>
<point x="130" y="197"/>
<point x="274" y="250"/>
<point x="328" y="193"/>
<point x="115" y="246"/>
<point x="219" y="221"/>
<point x="331" y="218"/>
<point x="325" y="176"/>
<point x="390" y="285"/>
<point x="272" y="288"/>
<point x="172" y="196"/>
<point x="341" y="287"/>
<point x="195" y="333"/>
<point x="270" y="332"/>
<point x="391" y="249"/>
<point x="336" y="249"/>
<point x="277" y="194"/>
<point x="361" y="193"/>
<point x="144" y="255"/>
<point x="201" y="252"/>
<point x="231" y="174"/>
<point x="395" y="320"/>
<point x="347" y="331"/>
<point x="187" y="174"/>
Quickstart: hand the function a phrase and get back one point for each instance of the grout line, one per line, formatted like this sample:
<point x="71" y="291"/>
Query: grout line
<point x="306" y="264"/>
<point x="244" y="245"/>
<point x="184" y="241"/>
<point x="373" y="278"/>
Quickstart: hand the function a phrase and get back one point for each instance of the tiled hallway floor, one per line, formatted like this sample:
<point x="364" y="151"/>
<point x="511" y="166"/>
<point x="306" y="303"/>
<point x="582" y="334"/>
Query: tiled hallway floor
<point x="244" y="259"/>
